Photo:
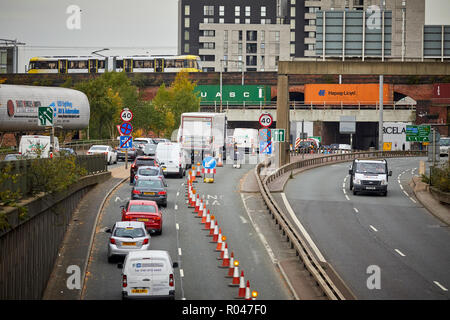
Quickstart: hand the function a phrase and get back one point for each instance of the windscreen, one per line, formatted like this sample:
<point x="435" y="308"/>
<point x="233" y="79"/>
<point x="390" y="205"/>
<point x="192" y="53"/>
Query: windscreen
<point x="129" y="232"/>
<point x="444" y="142"/>
<point x="148" y="172"/>
<point x="197" y="131"/>
<point x="142" y="208"/>
<point x="99" y="148"/>
<point x="146" y="162"/>
<point x="157" y="184"/>
<point x="370" y="167"/>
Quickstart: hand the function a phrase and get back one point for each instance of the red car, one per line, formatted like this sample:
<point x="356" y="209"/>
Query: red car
<point x="145" y="211"/>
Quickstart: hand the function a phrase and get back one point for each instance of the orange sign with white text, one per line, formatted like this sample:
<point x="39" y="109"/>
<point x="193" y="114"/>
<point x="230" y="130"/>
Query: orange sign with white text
<point x="347" y="93"/>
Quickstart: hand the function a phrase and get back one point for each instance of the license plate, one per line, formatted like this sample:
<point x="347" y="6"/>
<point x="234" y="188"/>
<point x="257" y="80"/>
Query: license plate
<point x="370" y="188"/>
<point x="139" y="290"/>
<point x="142" y="219"/>
<point x="149" y="193"/>
<point x="164" y="169"/>
<point x="128" y="243"/>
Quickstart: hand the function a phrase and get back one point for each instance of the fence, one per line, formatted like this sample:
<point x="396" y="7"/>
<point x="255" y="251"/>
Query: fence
<point x="29" y="246"/>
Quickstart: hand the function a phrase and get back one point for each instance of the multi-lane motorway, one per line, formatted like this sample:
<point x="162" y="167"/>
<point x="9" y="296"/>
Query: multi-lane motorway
<point x="383" y="247"/>
<point x="198" y="275"/>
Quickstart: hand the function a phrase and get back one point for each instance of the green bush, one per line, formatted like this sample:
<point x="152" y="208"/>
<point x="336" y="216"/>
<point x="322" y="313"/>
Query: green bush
<point x="440" y="177"/>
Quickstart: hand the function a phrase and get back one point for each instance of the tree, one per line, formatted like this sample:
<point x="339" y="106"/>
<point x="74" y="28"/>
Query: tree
<point x="177" y="99"/>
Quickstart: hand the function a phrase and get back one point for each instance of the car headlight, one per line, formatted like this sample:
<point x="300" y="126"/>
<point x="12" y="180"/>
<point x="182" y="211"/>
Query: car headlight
<point x="383" y="182"/>
<point x="357" y="181"/>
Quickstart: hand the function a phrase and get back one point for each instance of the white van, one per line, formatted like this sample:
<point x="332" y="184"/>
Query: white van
<point x="369" y="176"/>
<point x="36" y="146"/>
<point x="148" y="275"/>
<point x="172" y="158"/>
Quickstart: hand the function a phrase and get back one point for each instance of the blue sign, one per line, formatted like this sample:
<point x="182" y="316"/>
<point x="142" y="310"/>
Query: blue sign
<point x="209" y="163"/>
<point x="265" y="147"/>
<point x="265" y="134"/>
<point x="126" y="128"/>
<point x="126" y="142"/>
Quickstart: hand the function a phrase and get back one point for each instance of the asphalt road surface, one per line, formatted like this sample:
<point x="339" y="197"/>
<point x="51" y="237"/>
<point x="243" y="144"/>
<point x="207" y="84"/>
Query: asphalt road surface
<point x="198" y="275"/>
<point x="383" y="247"/>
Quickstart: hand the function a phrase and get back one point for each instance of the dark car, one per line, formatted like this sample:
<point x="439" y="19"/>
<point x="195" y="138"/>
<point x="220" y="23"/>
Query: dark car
<point x="150" y="189"/>
<point x="142" y="161"/>
<point x="133" y="152"/>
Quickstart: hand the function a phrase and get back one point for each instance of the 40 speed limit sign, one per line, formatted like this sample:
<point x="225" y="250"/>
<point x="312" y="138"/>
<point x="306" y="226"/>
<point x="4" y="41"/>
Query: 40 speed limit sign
<point x="265" y="120"/>
<point x="126" y="115"/>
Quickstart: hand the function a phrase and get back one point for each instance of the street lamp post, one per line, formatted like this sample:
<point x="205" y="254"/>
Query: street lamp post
<point x="221" y="69"/>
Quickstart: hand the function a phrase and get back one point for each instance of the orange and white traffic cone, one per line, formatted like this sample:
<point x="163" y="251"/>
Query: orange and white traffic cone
<point x="212" y="228"/>
<point x="231" y="267"/>
<point x="201" y="211"/>
<point x="205" y="213"/>
<point x="241" y="292"/>
<point x="220" y="240"/>
<point x="236" y="278"/>
<point x="247" y="291"/>
<point x="222" y="253"/>
<point x="199" y="174"/>
<point x="219" y="161"/>
<point x="225" y="260"/>
<point x="215" y="237"/>
<point x="197" y="204"/>
<point x="209" y="218"/>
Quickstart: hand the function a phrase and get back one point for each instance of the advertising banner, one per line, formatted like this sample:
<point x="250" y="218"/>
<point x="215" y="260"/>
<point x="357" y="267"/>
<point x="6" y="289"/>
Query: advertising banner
<point x="346" y="93"/>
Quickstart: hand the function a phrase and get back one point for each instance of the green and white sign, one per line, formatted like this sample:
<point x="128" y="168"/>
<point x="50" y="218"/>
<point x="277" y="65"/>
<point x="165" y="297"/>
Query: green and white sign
<point x="278" y="135"/>
<point x="418" y="133"/>
<point x="234" y="94"/>
<point x="45" y="116"/>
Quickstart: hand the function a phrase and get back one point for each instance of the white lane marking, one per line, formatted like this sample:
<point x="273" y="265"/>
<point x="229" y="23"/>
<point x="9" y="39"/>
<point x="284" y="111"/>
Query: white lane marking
<point x="356" y="210"/>
<point x="178" y="193"/>
<point x="399" y="252"/>
<point x="176" y="207"/>
<point x="406" y="193"/>
<point x="440" y="286"/>
<point x="373" y="228"/>
<point x="346" y="196"/>
<point x="401" y="187"/>
<point x="343" y="190"/>
<point x="177" y="226"/>
<point x="343" y="185"/>
<point x="181" y="273"/>
<point x="302" y="229"/>
<point x="179" y="251"/>
<point x="412" y="200"/>
<point x="243" y="220"/>
<point x="258" y="231"/>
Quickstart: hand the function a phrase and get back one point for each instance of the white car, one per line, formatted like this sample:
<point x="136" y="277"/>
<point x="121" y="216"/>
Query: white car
<point x="148" y="275"/>
<point x="108" y="151"/>
<point x="444" y="144"/>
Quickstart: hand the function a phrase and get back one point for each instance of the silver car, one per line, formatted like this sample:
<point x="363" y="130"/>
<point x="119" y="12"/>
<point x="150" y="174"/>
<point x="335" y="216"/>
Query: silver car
<point x="150" y="172"/>
<point x="127" y="236"/>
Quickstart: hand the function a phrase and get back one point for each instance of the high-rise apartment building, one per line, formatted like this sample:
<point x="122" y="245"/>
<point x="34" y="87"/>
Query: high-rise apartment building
<point x="235" y="34"/>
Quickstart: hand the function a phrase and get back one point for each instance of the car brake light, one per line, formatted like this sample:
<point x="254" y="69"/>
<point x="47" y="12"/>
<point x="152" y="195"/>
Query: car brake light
<point x="112" y="240"/>
<point x="171" y="280"/>
<point x="126" y="218"/>
<point x="136" y="192"/>
<point x="162" y="193"/>
<point x="145" y="241"/>
<point x="136" y="177"/>
<point x="124" y="281"/>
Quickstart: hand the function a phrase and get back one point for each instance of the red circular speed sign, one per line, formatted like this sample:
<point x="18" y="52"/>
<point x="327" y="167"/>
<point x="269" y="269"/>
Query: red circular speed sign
<point x="126" y="115"/>
<point x="265" y="120"/>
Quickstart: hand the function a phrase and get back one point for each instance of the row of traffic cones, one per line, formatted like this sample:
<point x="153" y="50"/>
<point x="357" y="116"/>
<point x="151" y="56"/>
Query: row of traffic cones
<point x="210" y="225"/>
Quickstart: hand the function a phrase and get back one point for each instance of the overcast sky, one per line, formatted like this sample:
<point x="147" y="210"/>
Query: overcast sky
<point x="146" y="26"/>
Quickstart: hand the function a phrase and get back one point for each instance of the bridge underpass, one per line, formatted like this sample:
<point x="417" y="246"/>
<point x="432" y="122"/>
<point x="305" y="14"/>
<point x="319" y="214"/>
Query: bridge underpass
<point x="324" y="122"/>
